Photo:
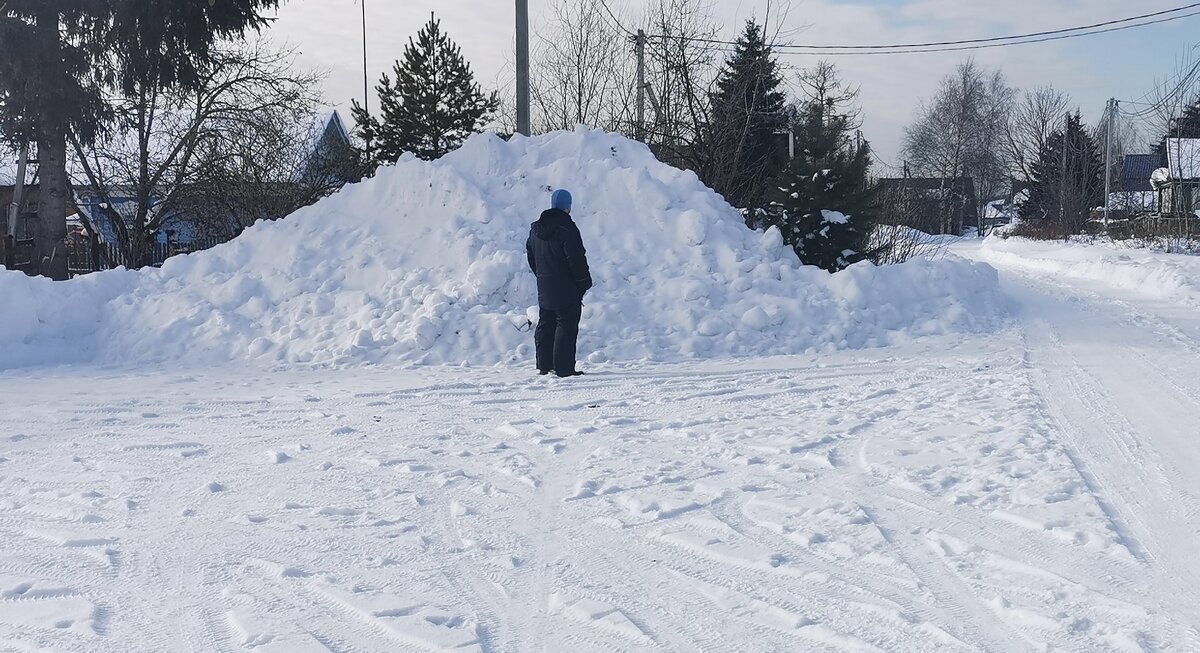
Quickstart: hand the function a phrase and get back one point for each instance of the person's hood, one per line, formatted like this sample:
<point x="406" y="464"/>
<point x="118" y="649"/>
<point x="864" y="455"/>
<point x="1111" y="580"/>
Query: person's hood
<point x="551" y="221"/>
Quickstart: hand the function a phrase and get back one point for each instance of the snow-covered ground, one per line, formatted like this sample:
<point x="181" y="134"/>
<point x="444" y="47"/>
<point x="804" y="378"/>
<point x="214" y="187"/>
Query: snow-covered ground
<point x="1030" y="489"/>
<point x="1167" y="276"/>
<point x="255" y="449"/>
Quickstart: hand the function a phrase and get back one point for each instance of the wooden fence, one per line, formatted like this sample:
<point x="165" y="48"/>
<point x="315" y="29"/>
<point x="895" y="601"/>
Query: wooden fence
<point x="1150" y="226"/>
<point x="86" y="255"/>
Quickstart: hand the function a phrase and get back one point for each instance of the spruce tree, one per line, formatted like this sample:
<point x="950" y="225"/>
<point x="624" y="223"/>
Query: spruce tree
<point x="433" y="105"/>
<point x="1065" y="186"/>
<point x="823" y="204"/>
<point x="742" y="146"/>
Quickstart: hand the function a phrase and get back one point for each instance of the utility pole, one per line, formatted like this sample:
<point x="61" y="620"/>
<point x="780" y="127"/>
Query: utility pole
<point x="14" y="210"/>
<point x="1112" y="115"/>
<point x="1062" y="177"/>
<point x="641" y="85"/>
<point x="366" y="83"/>
<point x="523" y="67"/>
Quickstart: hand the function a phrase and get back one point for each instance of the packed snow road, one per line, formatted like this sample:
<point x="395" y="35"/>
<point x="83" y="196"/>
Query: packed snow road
<point x="1032" y="490"/>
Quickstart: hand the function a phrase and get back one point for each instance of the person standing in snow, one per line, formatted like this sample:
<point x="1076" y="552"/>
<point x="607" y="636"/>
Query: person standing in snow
<point x="557" y="257"/>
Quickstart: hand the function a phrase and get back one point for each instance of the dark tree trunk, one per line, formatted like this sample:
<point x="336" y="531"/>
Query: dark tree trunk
<point x="50" y="238"/>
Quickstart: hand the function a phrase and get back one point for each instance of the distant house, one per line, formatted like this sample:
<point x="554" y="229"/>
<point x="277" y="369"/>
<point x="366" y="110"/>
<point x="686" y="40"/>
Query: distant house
<point x="1178" y="184"/>
<point x="1006" y="209"/>
<point x="1133" y="193"/>
<point x="26" y="213"/>
<point x="328" y="148"/>
<point x="29" y="202"/>
<point x="202" y="215"/>
<point x="176" y="228"/>
<point x="1136" y="171"/>
<point x="16" y="249"/>
<point x="930" y="204"/>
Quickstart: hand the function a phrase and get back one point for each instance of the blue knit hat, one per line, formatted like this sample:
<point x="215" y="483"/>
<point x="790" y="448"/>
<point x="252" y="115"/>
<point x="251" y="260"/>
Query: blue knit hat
<point x="561" y="200"/>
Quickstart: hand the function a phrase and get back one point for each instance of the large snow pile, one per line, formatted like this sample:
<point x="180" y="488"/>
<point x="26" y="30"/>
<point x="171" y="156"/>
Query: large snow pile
<point x="1167" y="276"/>
<point x="425" y="263"/>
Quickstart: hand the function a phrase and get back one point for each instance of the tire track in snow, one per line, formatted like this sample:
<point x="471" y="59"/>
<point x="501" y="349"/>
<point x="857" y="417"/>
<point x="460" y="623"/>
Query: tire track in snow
<point x="1103" y="443"/>
<point x="976" y="623"/>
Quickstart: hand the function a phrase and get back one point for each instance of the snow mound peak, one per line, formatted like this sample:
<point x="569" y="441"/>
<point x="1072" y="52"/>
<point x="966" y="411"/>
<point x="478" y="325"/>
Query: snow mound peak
<point x="425" y="263"/>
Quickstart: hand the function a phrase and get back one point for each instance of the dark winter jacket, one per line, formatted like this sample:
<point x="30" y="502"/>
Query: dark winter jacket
<point x="556" y="256"/>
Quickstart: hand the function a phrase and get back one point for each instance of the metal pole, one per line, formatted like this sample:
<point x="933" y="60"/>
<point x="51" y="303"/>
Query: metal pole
<point x="523" y="67"/>
<point x="1112" y="114"/>
<point x="14" y="209"/>
<point x="641" y="85"/>
<point x="366" y="74"/>
<point x="1062" y="177"/>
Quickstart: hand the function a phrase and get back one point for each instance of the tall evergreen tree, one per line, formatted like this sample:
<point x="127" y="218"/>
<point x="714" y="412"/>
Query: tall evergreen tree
<point x="61" y="57"/>
<point x="1067" y="181"/>
<point x="433" y="105"/>
<point x="823" y="204"/>
<point x="742" y="147"/>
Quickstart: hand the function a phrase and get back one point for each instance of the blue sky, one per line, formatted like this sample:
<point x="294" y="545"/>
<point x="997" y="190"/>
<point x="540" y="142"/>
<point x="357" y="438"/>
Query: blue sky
<point x="1122" y="64"/>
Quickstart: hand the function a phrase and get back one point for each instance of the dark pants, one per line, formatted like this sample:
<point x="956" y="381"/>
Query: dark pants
<point x="555" y="340"/>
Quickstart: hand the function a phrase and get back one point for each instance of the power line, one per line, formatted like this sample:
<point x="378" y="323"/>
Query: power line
<point x="980" y="44"/>
<point x="885" y="164"/>
<point x="1185" y="79"/>
<point x="615" y="20"/>
<point x="1001" y="38"/>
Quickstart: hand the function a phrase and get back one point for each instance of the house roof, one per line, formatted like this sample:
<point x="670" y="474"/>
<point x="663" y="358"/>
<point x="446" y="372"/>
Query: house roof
<point x="335" y="118"/>
<point x="963" y="186"/>
<point x="324" y="124"/>
<point x="1136" y="171"/>
<point x="1183" y="158"/>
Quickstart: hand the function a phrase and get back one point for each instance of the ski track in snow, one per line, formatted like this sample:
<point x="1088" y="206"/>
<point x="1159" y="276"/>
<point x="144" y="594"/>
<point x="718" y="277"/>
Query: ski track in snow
<point x="1032" y="490"/>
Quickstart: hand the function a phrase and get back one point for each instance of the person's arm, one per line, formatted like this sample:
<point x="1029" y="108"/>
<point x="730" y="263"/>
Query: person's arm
<point x="529" y="254"/>
<point x="577" y="258"/>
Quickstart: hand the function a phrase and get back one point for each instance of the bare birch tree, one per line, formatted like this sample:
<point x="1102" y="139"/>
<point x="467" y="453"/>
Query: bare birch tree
<point x="1172" y="96"/>
<point x="680" y="70"/>
<point x="1035" y="117"/>
<point x="583" y="70"/>
<point x="962" y="131"/>
<point x="822" y="84"/>
<point x="150" y="157"/>
<point x="265" y="170"/>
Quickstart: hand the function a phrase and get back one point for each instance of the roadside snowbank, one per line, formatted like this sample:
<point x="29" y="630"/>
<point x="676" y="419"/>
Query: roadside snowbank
<point x="425" y="264"/>
<point x="1157" y="274"/>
